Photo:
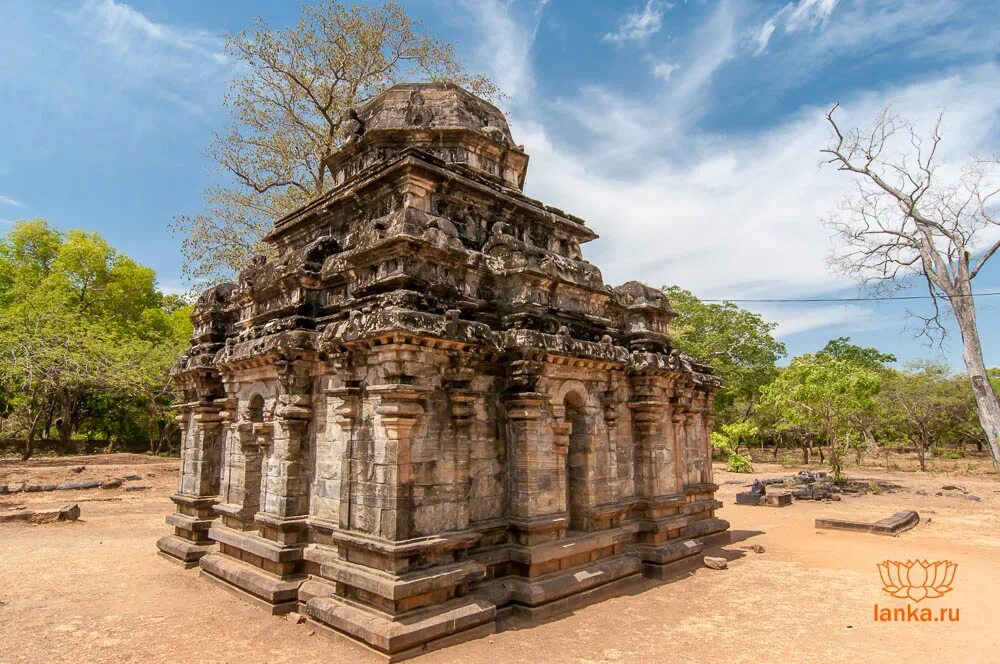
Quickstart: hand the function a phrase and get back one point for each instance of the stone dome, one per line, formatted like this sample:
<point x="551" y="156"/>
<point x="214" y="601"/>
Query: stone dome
<point x="441" y="119"/>
<point x="434" y="106"/>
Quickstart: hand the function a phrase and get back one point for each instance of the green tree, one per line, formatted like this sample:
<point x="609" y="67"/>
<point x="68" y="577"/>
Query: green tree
<point x="824" y="396"/>
<point x="729" y="439"/>
<point x="295" y="90"/>
<point x="928" y="406"/>
<point x="843" y="349"/>
<point x="737" y="343"/>
<point x="80" y="323"/>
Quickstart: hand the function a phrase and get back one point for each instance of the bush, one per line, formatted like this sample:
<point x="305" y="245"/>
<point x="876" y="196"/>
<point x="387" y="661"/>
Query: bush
<point x="956" y="454"/>
<point x="739" y="463"/>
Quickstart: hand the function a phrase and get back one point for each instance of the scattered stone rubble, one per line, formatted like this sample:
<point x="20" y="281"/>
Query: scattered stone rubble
<point x="424" y="407"/>
<point x="956" y="491"/>
<point x="758" y="496"/>
<point x="25" y="487"/>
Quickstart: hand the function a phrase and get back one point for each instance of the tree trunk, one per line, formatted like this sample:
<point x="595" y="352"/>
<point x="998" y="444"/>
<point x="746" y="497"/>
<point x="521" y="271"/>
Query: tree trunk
<point x="29" y="444"/>
<point x="972" y="352"/>
<point x="65" y="421"/>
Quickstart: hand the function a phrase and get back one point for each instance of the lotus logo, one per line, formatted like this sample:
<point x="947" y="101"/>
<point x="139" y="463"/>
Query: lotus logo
<point x="917" y="579"/>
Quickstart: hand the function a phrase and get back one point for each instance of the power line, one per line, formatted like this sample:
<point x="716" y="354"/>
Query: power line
<point x="850" y="299"/>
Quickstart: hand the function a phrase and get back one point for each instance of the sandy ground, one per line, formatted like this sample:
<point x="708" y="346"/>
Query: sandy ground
<point x="94" y="590"/>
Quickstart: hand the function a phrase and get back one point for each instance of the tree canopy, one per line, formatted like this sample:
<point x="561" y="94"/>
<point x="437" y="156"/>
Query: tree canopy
<point x="827" y="395"/>
<point x="82" y="323"/>
<point x="736" y="342"/>
<point x="295" y="89"/>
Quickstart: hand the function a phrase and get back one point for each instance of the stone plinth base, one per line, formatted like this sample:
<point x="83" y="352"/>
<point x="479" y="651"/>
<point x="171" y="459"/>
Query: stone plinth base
<point x="183" y="552"/>
<point x="407" y="635"/>
<point x="268" y="591"/>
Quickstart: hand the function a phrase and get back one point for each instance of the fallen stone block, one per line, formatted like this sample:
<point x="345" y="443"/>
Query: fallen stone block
<point x="777" y="499"/>
<point x="111" y="484"/>
<point x="3" y="490"/>
<point x="136" y="488"/>
<point x="756" y="548"/>
<point x="132" y="478"/>
<point x="715" y="562"/>
<point x="893" y="525"/>
<point x="78" y="469"/>
<point x="17" y="487"/>
<point x="84" y="484"/>
<point x="45" y="515"/>
<point x="747" y="498"/>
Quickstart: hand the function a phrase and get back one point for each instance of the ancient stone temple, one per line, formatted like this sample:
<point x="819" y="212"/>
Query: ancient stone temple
<point x="425" y="410"/>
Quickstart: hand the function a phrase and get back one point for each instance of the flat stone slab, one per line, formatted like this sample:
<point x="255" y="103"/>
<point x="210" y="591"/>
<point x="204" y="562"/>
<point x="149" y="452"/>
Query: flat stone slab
<point x="44" y="515"/>
<point x="892" y="525"/>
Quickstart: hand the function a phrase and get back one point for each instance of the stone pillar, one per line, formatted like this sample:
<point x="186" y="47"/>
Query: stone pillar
<point x="197" y="494"/>
<point x="654" y="433"/>
<point x="397" y="412"/>
<point x="537" y="458"/>
<point x="285" y="485"/>
<point x="240" y="490"/>
<point x="334" y="465"/>
<point x="463" y="412"/>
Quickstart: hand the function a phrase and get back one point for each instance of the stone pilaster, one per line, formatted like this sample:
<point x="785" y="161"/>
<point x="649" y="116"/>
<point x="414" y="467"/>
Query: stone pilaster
<point x="241" y="472"/>
<point x="198" y="489"/>
<point x="537" y="458"/>
<point x="398" y="409"/>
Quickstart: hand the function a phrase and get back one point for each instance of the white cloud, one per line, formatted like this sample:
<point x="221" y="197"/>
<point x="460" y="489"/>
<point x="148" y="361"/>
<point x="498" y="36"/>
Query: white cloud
<point x="808" y="14"/>
<point x="505" y="48"/>
<point x="763" y="36"/>
<point x="186" y="67"/>
<point x="793" y="17"/>
<point x="639" y="25"/>
<point x="128" y="30"/>
<point x="664" y="70"/>
<point x="12" y="202"/>
<point x="725" y="216"/>
<point x="623" y="125"/>
<point x="795" y="319"/>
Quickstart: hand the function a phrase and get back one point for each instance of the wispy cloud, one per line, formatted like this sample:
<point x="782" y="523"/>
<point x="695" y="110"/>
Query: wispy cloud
<point x="664" y="70"/>
<point x="639" y="25"/>
<point x="128" y="30"/>
<point x="180" y="63"/>
<point x="793" y="17"/>
<point x="762" y="37"/>
<point x="808" y="13"/>
<point x="505" y="49"/>
<point x="735" y="215"/>
<point x="12" y="202"/>
<point x="795" y="319"/>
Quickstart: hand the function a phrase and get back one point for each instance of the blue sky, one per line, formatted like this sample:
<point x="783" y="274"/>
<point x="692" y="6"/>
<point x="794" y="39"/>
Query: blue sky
<point x="686" y="133"/>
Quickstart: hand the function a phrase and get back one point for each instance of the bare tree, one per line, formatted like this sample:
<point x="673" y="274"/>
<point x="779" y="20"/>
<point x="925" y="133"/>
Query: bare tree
<point x="908" y="219"/>
<point x="294" y="90"/>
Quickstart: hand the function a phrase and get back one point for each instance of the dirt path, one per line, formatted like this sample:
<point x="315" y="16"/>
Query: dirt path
<point x="94" y="591"/>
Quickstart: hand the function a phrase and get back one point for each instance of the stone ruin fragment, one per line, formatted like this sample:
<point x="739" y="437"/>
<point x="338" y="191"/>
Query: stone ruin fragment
<point x="424" y="410"/>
